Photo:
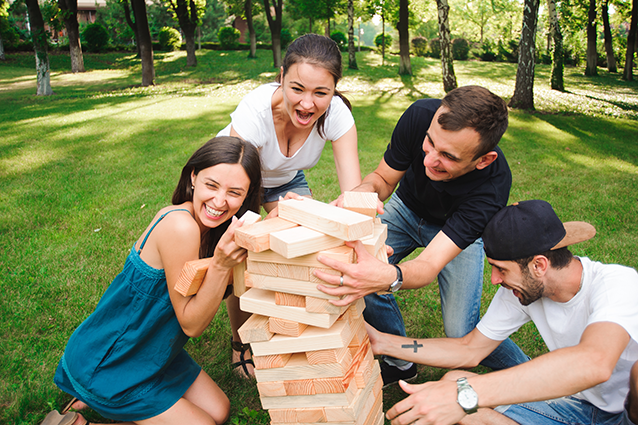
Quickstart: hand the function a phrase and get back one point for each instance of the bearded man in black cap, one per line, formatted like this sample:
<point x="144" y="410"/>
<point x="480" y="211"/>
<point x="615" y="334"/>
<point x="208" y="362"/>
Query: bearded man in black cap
<point x="586" y="312"/>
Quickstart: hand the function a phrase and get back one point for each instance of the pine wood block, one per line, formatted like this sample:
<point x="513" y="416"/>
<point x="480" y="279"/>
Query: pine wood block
<point x="360" y="333"/>
<point x="382" y="254"/>
<point x="255" y="329"/>
<point x="350" y="413"/>
<point x="303" y="415"/>
<point x="250" y="217"/>
<point x="268" y="269"/>
<point x="298" y="367"/>
<point x="283" y="416"/>
<point x="361" y="202"/>
<point x="274" y="361"/>
<point x="290" y="300"/>
<point x="289" y="286"/>
<point x="356" y="361"/>
<point x="256" y="237"/>
<point x="298" y="241"/>
<point x="320" y="305"/>
<point x="286" y="327"/>
<point x="239" y="279"/>
<point x="313" y="338"/>
<point x="290" y="271"/>
<point x="300" y="387"/>
<point x="328" y="219"/>
<point x="262" y="302"/>
<point x="376" y="413"/>
<point x="356" y="309"/>
<point x="344" y="254"/>
<point x="314" y="400"/>
<point x="310" y="414"/>
<point x="331" y="355"/>
<point x="365" y="370"/>
<point x="374" y="243"/>
<point x="314" y="278"/>
<point x="330" y="385"/>
<point x="271" y="389"/>
<point x="192" y="276"/>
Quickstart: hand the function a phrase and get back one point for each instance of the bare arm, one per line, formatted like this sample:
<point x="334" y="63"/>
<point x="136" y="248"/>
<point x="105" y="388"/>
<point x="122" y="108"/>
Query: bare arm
<point x="370" y="275"/>
<point x="346" y="158"/>
<point x="559" y="373"/>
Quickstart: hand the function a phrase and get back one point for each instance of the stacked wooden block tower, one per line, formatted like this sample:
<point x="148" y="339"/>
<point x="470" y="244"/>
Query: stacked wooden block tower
<point x="313" y="361"/>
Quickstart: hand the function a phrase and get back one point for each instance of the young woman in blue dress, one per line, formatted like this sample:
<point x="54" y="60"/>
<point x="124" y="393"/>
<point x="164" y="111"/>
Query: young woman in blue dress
<point x="127" y="360"/>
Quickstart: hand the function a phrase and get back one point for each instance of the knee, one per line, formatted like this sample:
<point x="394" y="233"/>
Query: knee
<point x="223" y="413"/>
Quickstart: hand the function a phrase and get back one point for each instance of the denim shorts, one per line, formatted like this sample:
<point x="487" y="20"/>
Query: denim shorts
<point x="565" y="410"/>
<point x="298" y="185"/>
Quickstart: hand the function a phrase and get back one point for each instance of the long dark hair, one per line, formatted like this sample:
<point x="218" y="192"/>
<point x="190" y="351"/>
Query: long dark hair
<point x="221" y="150"/>
<point x="319" y="51"/>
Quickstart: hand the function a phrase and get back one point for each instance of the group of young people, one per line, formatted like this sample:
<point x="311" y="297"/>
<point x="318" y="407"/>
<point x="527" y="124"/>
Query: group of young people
<point x="127" y="359"/>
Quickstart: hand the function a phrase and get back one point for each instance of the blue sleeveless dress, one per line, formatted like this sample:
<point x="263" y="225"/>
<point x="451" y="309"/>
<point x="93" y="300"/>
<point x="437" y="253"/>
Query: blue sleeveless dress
<point x="127" y="359"/>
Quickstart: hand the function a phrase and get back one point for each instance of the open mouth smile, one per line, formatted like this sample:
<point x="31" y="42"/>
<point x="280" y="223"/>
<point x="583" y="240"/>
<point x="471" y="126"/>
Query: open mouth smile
<point x="213" y="213"/>
<point x="304" y="117"/>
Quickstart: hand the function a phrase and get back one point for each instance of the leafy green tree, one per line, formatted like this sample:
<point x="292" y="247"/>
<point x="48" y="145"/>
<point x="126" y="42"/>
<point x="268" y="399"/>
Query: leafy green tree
<point x="169" y="39"/>
<point x="96" y="37"/>
<point x="592" y="53"/>
<point x="523" y="97"/>
<point x="40" y="45"/>
<point x="274" y="23"/>
<point x="558" y="55"/>
<point x="188" y="13"/>
<point x="632" y="39"/>
<point x="405" y="67"/>
<point x="246" y="9"/>
<point x="385" y="9"/>
<point x="69" y="14"/>
<point x="447" y="61"/>
<point x="213" y="20"/>
<point x="4" y="8"/>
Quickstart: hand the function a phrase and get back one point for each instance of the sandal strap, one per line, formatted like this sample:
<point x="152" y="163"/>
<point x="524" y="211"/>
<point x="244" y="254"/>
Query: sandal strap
<point x="238" y="346"/>
<point x="242" y="348"/>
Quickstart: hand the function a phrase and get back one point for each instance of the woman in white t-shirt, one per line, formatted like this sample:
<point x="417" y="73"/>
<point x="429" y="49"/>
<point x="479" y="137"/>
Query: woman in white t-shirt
<point x="290" y="120"/>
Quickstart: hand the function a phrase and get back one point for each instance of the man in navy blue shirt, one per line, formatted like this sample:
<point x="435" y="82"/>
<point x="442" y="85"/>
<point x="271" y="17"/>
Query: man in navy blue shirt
<point x="452" y="179"/>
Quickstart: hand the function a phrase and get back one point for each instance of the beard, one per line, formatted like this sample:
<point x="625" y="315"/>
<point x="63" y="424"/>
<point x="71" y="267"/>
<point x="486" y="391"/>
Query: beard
<point x="533" y="289"/>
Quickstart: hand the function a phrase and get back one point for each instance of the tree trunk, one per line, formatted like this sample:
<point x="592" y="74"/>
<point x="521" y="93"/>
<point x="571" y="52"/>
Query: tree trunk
<point x="558" y="55"/>
<point x="523" y="97"/>
<point x="186" y="12"/>
<point x="39" y="36"/>
<point x="352" y="54"/>
<point x="592" y="54"/>
<point x="132" y="25"/>
<point x="609" y="48"/>
<point x="275" y="30"/>
<point x="447" y="62"/>
<point x="189" y="35"/>
<point x="145" y="43"/>
<point x="383" y="38"/>
<point x="70" y="17"/>
<point x="631" y="46"/>
<point x="326" y="29"/>
<point x="405" y="68"/>
<point x="2" y="57"/>
<point x="248" y="11"/>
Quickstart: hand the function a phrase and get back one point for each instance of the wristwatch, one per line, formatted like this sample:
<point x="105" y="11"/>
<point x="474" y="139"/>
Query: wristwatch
<point x="396" y="285"/>
<point x="466" y="396"/>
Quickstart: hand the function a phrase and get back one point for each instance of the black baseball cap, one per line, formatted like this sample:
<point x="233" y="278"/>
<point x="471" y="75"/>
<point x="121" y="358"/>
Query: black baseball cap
<point x="528" y="228"/>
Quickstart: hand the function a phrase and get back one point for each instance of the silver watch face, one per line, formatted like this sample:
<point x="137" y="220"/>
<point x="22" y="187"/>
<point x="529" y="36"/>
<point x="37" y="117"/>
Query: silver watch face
<point x="467" y="398"/>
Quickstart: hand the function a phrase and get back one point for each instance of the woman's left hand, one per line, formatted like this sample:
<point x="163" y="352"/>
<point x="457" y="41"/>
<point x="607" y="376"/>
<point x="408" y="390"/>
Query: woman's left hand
<point x="227" y="253"/>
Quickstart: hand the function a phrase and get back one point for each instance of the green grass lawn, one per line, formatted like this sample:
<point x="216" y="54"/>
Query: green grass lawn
<point x="84" y="171"/>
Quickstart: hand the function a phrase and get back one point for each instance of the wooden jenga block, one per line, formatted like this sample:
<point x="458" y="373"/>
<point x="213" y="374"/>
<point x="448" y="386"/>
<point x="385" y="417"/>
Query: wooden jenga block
<point x="320" y="305"/>
<point x="255" y="329"/>
<point x="298" y="241"/>
<point x="300" y="387"/>
<point x="329" y="385"/>
<point x="271" y="389"/>
<point x="310" y="414"/>
<point x="273" y="361"/>
<point x="356" y="361"/>
<point x="239" y="279"/>
<point x="382" y="254"/>
<point x="250" y="217"/>
<point x="298" y="367"/>
<point x="289" y="286"/>
<point x="374" y="243"/>
<point x="313" y="338"/>
<point x="256" y="237"/>
<point x="291" y="300"/>
<point x="262" y="302"/>
<point x="356" y="309"/>
<point x="286" y="327"/>
<point x="192" y="276"/>
<point x="303" y="415"/>
<point x="361" y="202"/>
<point x="360" y="333"/>
<point x="344" y="254"/>
<point x="326" y="356"/>
<point x="290" y="271"/>
<point x="314" y="278"/>
<point x="354" y="410"/>
<point x="314" y="400"/>
<point x="365" y="370"/>
<point x="325" y="218"/>
<point x="268" y="269"/>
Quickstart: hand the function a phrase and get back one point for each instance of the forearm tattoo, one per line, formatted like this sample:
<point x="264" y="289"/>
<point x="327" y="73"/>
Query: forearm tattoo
<point x="415" y="346"/>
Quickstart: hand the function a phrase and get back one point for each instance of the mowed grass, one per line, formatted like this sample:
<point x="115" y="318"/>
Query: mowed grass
<point x="84" y="171"/>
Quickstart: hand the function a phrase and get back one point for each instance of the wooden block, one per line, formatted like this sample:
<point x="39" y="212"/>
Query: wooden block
<point x="290" y="286"/>
<point x="314" y="278"/>
<point x="365" y="370"/>
<point x="314" y="400"/>
<point x="273" y="361"/>
<point x="255" y="329"/>
<point x="298" y="367"/>
<point x="291" y="300"/>
<point x="356" y="308"/>
<point x="289" y="271"/>
<point x="286" y="327"/>
<point x="298" y="241"/>
<point x="300" y="387"/>
<point x="268" y="269"/>
<point x="360" y="333"/>
<point x="320" y="305"/>
<point x="250" y="217"/>
<point x="313" y="338"/>
<point x="372" y="390"/>
<point x="328" y="219"/>
<point x="356" y="361"/>
<point x="256" y="237"/>
<point x="262" y="302"/>
<point x="192" y="276"/>
<point x="382" y="254"/>
<point x="344" y="254"/>
<point x="361" y="202"/>
<point x="374" y="243"/>
<point x="286" y="416"/>
<point x="330" y="355"/>
<point x="239" y="279"/>
<point x="329" y="385"/>
<point x="303" y="415"/>
<point x="271" y="389"/>
<point x="310" y="414"/>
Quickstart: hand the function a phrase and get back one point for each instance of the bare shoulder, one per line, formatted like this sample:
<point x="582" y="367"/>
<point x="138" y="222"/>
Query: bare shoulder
<point x="178" y="220"/>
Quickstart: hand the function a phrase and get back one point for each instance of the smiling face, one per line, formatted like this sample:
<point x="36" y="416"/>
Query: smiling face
<point x="307" y="92"/>
<point x="219" y="193"/>
<point x="523" y="285"/>
<point x="450" y="154"/>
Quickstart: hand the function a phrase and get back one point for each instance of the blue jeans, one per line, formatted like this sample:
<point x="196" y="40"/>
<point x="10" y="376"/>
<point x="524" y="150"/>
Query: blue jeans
<point x="564" y="410"/>
<point x="460" y="286"/>
<point x="298" y="185"/>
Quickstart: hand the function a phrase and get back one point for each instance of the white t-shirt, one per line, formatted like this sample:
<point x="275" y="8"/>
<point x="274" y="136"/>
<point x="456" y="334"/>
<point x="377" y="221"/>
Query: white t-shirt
<point x="609" y="293"/>
<point x="253" y="121"/>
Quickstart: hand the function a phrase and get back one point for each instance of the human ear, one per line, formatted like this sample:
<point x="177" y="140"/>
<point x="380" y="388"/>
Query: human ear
<point x="486" y="160"/>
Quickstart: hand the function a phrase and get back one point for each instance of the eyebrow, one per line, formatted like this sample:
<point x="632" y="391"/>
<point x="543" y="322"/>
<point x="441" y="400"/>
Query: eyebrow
<point x="447" y="154"/>
<point x="316" y="88"/>
<point x="232" y="188"/>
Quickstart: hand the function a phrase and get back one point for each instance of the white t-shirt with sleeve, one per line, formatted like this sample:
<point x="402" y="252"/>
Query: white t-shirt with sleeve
<point x="609" y="293"/>
<point x="253" y="121"/>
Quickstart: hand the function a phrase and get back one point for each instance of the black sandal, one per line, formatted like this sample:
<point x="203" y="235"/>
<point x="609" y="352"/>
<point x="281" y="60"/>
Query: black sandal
<point x="242" y="348"/>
